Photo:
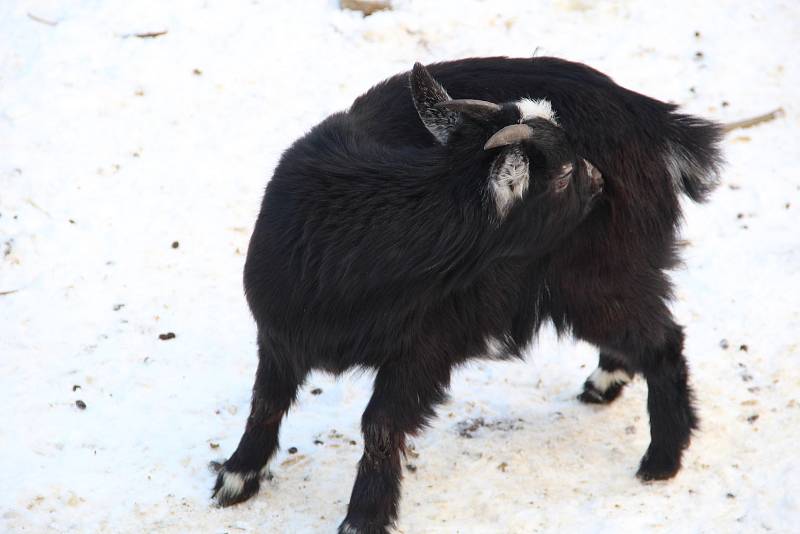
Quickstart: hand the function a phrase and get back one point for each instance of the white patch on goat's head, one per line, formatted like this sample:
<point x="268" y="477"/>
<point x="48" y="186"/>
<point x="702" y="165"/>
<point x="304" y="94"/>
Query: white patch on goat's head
<point x="536" y="109"/>
<point x="508" y="179"/>
<point x="602" y="379"/>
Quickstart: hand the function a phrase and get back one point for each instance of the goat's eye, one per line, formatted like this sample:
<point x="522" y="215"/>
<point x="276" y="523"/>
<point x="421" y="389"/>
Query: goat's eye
<point x="562" y="182"/>
<point x="562" y="179"/>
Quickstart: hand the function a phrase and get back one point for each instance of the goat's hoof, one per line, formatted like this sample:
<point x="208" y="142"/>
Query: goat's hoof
<point x="592" y="395"/>
<point x="234" y="487"/>
<point x="361" y="527"/>
<point x="658" y="465"/>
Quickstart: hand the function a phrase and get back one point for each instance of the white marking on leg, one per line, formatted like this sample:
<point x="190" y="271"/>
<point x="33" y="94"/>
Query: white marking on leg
<point x="347" y="529"/>
<point x="602" y="380"/>
<point x="495" y="348"/>
<point x="536" y="109"/>
<point x="233" y="483"/>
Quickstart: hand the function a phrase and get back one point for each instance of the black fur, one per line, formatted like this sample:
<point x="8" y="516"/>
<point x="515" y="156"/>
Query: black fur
<point x="379" y="245"/>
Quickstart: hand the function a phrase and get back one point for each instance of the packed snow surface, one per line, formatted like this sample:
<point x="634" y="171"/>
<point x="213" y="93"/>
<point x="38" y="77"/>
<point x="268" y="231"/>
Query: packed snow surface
<point x="115" y="146"/>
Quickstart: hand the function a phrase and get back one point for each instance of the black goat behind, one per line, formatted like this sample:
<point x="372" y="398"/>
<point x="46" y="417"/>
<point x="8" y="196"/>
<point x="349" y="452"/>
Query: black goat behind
<point x="423" y="227"/>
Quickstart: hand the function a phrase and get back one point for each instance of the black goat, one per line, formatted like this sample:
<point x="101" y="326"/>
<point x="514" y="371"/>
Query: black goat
<point x="414" y="232"/>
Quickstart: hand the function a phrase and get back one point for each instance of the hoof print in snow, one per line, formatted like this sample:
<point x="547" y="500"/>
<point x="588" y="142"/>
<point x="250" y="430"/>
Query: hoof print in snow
<point x="469" y="427"/>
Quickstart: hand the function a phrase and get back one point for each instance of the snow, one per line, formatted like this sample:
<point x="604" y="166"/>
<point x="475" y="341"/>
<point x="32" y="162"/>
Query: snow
<point x="115" y="146"/>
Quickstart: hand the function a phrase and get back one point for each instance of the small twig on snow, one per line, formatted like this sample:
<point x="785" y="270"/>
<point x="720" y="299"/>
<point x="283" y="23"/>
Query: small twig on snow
<point x="747" y="123"/>
<point x="10" y="291"/>
<point x="145" y="35"/>
<point x="43" y="21"/>
<point x="38" y="207"/>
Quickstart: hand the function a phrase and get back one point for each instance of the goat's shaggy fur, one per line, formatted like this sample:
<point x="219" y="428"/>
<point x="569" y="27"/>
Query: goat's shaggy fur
<point x="390" y="239"/>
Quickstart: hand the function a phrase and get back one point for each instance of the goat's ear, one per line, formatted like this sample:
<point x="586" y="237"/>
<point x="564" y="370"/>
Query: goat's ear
<point x="427" y="93"/>
<point x="509" y="177"/>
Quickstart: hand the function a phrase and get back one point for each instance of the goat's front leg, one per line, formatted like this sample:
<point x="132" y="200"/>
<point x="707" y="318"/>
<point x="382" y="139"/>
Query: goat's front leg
<point x="274" y="391"/>
<point x="606" y="382"/>
<point x="404" y="397"/>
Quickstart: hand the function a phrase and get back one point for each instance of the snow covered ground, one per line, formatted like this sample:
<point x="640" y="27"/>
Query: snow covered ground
<point x="114" y="147"/>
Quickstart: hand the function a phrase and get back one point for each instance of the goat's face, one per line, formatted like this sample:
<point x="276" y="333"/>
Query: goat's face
<point x="532" y="159"/>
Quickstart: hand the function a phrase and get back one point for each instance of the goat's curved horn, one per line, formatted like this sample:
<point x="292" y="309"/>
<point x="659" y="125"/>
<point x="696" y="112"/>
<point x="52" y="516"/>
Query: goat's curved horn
<point x="473" y="108"/>
<point x="509" y="135"/>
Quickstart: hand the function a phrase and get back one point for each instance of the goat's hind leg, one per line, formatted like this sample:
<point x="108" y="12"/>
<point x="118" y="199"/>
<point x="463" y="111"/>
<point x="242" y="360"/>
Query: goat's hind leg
<point x="274" y="391"/>
<point x="670" y="404"/>
<point x="606" y="382"/>
<point x="649" y="342"/>
<point x="403" y="400"/>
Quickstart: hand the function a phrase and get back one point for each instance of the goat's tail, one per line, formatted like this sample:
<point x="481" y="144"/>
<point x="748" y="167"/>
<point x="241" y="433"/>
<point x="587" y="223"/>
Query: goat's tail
<point x="692" y="155"/>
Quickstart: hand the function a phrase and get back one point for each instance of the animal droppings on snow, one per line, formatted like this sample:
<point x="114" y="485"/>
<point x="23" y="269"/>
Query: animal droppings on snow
<point x="366" y="7"/>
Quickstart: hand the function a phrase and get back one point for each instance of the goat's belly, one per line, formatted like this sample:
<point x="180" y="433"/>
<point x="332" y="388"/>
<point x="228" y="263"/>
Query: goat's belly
<point x="335" y="333"/>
